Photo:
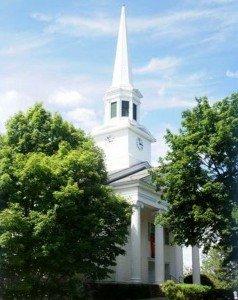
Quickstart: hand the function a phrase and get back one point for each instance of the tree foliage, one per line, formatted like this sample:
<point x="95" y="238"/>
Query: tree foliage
<point x="199" y="175"/>
<point x="222" y="273"/>
<point x="40" y="131"/>
<point x="59" y="220"/>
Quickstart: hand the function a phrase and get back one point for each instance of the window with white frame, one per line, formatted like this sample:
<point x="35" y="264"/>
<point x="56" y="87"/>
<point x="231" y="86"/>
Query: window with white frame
<point x="124" y="108"/>
<point x="113" y="109"/>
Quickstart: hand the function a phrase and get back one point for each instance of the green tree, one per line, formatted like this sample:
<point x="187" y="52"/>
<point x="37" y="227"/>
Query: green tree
<point x="199" y="176"/>
<point x="222" y="273"/>
<point x="60" y="223"/>
<point x="40" y="131"/>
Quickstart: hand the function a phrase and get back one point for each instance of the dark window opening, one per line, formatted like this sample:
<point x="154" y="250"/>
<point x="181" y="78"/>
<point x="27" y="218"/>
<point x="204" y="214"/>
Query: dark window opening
<point x="134" y="111"/>
<point x="166" y="236"/>
<point x="125" y="108"/>
<point x="167" y="271"/>
<point x="151" y="238"/>
<point x="113" y="109"/>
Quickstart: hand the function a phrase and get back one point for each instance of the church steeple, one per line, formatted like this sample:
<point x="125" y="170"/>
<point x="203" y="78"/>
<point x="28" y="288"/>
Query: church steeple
<point x="124" y="140"/>
<point x="122" y="70"/>
<point x="122" y="100"/>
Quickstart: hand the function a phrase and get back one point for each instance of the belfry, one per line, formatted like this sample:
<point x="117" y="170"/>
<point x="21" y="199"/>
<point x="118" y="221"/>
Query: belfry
<point x="126" y="143"/>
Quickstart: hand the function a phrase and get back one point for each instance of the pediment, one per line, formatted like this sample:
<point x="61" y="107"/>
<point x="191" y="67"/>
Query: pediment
<point x="139" y="173"/>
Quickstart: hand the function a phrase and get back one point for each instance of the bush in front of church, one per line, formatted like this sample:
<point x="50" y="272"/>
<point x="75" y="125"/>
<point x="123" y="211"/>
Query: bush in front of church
<point x="60" y="223"/>
<point x="183" y="291"/>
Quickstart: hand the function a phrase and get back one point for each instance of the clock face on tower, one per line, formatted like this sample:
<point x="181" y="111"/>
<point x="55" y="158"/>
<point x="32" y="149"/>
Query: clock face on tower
<point x="139" y="143"/>
<point x="109" y="138"/>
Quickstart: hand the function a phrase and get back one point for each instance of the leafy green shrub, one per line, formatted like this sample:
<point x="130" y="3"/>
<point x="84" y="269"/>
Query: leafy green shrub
<point x="172" y="291"/>
<point x="184" y="291"/>
<point x="194" y="291"/>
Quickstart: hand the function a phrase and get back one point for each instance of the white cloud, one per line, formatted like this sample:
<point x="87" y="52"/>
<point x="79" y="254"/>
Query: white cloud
<point x="159" y="148"/>
<point x="94" y="25"/>
<point x="159" y="64"/>
<point x="78" y="25"/>
<point x="32" y="80"/>
<point x="84" y="118"/>
<point x="232" y="74"/>
<point x="209" y="26"/>
<point x="11" y="102"/>
<point x="175" y="24"/>
<point x="66" y="98"/>
<point x="165" y="22"/>
<point x="23" y="44"/>
<point x="22" y="85"/>
<point x="175" y="102"/>
<point x="41" y="17"/>
<point x="170" y="91"/>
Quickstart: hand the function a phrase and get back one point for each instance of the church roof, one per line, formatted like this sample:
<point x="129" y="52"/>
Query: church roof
<point x="135" y="172"/>
<point x="122" y="69"/>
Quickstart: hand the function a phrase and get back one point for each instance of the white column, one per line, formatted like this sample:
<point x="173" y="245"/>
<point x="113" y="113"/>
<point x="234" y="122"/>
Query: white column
<point x="196" y="265"/>
<point x="179" y="261"/>
<point x="130" y="109"/>
<point x="119" y="106"/>
<point x="136" y="244"/>
<point x="138" y="112"/>
<point x="159" y="254"/>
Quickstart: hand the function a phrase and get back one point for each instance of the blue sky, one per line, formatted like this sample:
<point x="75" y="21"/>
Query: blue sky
<point x="61" y="52"/>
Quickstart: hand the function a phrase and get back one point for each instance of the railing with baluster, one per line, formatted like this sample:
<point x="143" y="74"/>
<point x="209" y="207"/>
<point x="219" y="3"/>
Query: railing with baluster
<point x="172" y="277"/>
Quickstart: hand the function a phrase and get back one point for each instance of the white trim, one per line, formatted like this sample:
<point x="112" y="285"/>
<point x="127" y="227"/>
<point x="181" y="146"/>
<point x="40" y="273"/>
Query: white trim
<point x="124" y="124"/>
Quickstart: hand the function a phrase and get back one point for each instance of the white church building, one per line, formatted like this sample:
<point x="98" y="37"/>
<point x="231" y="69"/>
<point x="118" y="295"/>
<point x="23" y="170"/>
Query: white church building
<point x="126" y="143"/>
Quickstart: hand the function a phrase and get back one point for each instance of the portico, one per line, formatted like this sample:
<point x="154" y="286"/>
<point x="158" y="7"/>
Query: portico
<point x="148" y="251"/>
<point x="139" y="248"/>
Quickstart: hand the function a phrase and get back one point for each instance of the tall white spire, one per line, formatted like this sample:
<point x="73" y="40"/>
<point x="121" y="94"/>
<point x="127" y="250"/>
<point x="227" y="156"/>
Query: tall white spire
<point x="122" y="69"/>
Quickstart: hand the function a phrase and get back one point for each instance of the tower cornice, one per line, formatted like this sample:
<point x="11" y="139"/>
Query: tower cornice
<point x="111" y="93"/>
<point x="133" y="126"/>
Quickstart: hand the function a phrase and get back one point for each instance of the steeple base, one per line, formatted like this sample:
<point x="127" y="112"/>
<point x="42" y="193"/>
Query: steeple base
<point x="124" y="144"/>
